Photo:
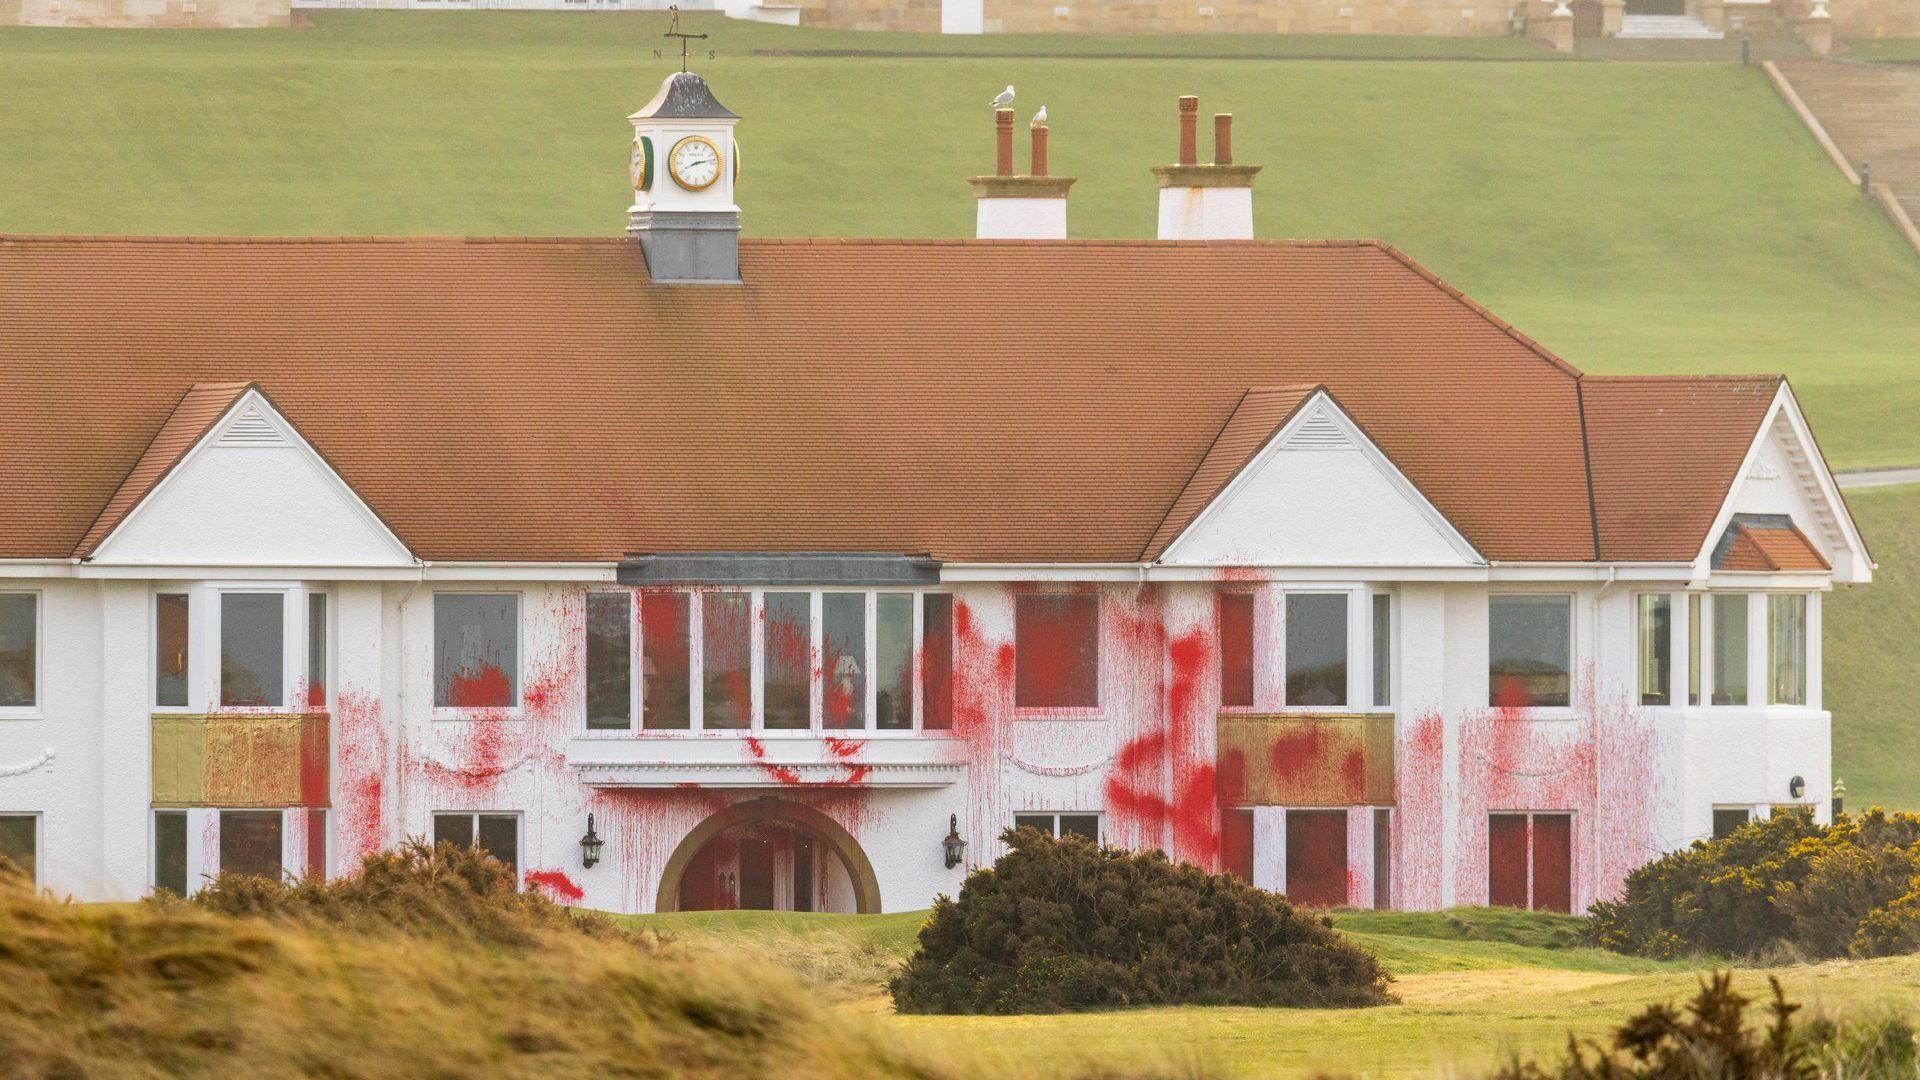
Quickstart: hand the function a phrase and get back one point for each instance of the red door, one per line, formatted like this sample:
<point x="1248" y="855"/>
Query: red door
<point x="1553" y="862"/>
<point x="1507" y="860"/>
<point x="1317" y="857"/>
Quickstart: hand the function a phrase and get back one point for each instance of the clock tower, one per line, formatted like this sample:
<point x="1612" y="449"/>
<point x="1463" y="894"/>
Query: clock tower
<point x="683" y="169"/>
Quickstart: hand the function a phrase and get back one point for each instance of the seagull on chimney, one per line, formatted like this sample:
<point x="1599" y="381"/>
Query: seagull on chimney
<point x="1039" y="119"/>
<point x="1005" y="98"/>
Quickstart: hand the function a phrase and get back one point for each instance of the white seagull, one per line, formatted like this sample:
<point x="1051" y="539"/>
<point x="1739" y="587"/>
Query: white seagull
<point x="1039" y="118"/>
<point x="1005" y="98"/>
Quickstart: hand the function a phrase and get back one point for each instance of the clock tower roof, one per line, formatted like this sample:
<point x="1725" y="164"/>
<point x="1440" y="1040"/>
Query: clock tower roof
<point x="684" y="96"/>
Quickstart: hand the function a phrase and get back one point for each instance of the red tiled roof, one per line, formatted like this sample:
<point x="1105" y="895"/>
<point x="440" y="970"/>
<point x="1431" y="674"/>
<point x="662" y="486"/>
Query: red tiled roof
<point x="1769" y="549"/>
<point x="1256" y="418"/>
<point x="974" y="400"/>
<point x="196" y="412"/>
<point x="1665" y="453"/>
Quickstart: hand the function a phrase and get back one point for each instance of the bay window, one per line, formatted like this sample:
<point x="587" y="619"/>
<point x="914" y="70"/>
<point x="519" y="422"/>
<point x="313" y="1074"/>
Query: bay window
<point x="1787" y="649"/>
<point x="789" y="652"/>
<point x="1529" y="650"/>
<point x="893" y="661"/>
<point x="843" y="620"/>
<point x="936" y="661"/>
<point x="1696" y="633"/>
<point x="1730" y="649"/>
<point x="666" y="661"/>
<point x="1654" y="619"/>
<point x="726" y="655"/>
<point x="609" y="661"/>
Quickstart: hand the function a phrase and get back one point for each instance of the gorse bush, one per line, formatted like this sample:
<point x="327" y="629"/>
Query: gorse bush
<point x="1780" y="885"/>
<point x="1063" y="924"/>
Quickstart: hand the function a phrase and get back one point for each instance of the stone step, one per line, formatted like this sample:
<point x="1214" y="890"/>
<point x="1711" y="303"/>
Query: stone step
<point x="1872" y="112"/>
<point x="1671" y="27"/>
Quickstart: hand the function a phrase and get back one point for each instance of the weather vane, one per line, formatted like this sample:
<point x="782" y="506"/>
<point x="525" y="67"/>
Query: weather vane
<point x="675" y="31"/>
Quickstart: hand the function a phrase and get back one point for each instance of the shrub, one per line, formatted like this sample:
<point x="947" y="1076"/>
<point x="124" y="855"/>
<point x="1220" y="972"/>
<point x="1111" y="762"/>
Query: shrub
<point x="1784" y="885"/>
<point x="1063" y="924"/>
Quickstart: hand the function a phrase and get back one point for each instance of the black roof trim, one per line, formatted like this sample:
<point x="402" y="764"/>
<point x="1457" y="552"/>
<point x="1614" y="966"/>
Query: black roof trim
<point x="778" y="568"/>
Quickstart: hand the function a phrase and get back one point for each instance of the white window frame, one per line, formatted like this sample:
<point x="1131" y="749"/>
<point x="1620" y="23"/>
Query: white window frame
<point x="192" y="840"/>
<point x="194" y="618"/>
<point x="1270" y="647"/>
<point x="513" y="709"/>
<point x="1808" y="657"/>
<point x="1368" y="597"/>
<point x="1099" y="821"/>
<point x="1538" y="712"/>
<point x="632" y="599"/>
<point x="37" y="710"/>
<point x="289" y="859"/>
<point x="757" y="660"/>
<point x="1676" y="648"/>
<point x="1358" y="639"/>
<point x="474" y="816"/>
<point x="39" y="841"/>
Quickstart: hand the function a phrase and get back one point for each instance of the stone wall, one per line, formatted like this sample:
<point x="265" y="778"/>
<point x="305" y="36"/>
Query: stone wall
<point x="127" y="14"/>
<point x="1424" y="17"/>
<point x="922" y="16"/>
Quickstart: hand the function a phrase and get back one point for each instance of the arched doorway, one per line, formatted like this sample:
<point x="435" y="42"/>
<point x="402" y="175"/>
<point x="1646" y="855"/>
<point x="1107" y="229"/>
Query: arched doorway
<point x="769" y="854"/>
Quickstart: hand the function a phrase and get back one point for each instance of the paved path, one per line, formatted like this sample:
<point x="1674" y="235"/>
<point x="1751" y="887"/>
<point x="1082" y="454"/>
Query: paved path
<point x="1872" y="112"/>
<point x="1872" y="478"/>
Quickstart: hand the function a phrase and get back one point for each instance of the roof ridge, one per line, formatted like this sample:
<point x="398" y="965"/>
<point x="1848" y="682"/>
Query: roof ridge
<point x="764" y="241"/>
<point x="108" y="519"/>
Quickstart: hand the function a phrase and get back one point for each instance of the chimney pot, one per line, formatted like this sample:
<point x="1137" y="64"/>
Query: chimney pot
<point x="1003" y="141"/>
<point x="1189" y="130"/>
<point x="1223" y="138"/>
<point x="1040" y="150"/>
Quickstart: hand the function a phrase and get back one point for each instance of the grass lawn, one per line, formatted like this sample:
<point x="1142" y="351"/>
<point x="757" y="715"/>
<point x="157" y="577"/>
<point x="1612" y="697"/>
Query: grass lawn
<point x="1872" y="638"/>
<point x="1635" y="217"/>
<point x="1890" y="50"/>
<point x="1476" y="984"/>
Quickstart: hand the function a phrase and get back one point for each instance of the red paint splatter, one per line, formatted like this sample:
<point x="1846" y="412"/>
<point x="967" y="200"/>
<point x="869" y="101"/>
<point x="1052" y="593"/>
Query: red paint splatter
<point x="557" y="884"/>
<point x="362" y="755"/>
<point x="781" y="774"/>
<point x="486" y="687"/>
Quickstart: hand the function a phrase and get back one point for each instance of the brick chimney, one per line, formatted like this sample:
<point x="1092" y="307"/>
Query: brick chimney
<point x="1020" y="206"/>
<point x="1205" y="202"/>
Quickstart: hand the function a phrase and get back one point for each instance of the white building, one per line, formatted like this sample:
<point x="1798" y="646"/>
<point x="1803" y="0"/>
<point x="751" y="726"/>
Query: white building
<point x="781" y="559"/>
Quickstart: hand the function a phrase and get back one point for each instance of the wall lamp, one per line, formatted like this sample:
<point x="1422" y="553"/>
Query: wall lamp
<point x="590" y="846"/>
<point x="955" y="848"/>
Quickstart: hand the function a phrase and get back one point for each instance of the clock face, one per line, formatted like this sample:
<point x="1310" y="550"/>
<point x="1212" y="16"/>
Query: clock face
<point x="694" y="163"/>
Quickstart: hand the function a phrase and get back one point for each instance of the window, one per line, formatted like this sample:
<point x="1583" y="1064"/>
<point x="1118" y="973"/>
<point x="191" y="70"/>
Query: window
<point x="1236" y="649"/>
<point x="250" y="843"/>
<point x="1787" y="648"/>
<point x="170" y="851"/>
<point x="1695" y="658"/>
<point x="316" y="650"/>
<point x="1655" y="620"/>
<point x="788" y="680"/>
<point x="476" y="650"/>
<point x="843" y="618"/>
<point x="1382" y="650"/>
<point x="170" y="650"/>
<point x="1530" y="861"/>
<point x="893" y="661"/>
<point x="666" y="668"/>
<point x="1316" y="649"/>
<point x="1061" y="825"/>
<point x="609" y="661"/>
<point x="936" y="662"/>
<point x="1729" y="819"/>
<point x="726" y="657"/>
<point x="1382" y="859"/>
<point x="253" y="646"/>
<point x="496" y="834"/>
<point x="1317" y="857"/>
<point x="1730" y="649"/>
<point x="19" y="650"/>
<point x="20" y="843"/>
<point x="1056" y="651"/>
<point x="1529" y="651"/>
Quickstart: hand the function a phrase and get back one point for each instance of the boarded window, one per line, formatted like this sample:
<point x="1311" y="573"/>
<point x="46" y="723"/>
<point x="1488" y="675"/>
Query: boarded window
<point x="726" y="658"/>
<point x="19" y="648"/>
<point x="1056" y="651"/>
<point x="1529" y="651"/>
<point x="20" y="842"/>
<point x="843" y="664"/>
<point x="476" y="650"/>
<point x="1236" y="842"/>
<point x="1236" y="649"/>
<point x="250" y="843"/>
<point x="609" y="661"/>
<point x="1382" y="650"/>
<point x="936" y="662"/>
<point x="1507" y="860"/>
<point x="1382" y="859"/>
<point x="170" y="851"/>
<point x="788" y="679"/>
<point x="1317" y="857"/>
<point x="316" y="650"/>
<point x="666" y="680"/>
<point x="1729" y="819"/>
<point x="1553" y="862"/>
<point x="1654" y="613"/>
<point x="170" y="650"/>
<point x="1730" y="649"/>
<point x="1787" y="648"/>
<point x="1316" y="650"/>
<point x="1530" y="861"/>
<point x="253" y="649"/>
<point x="893" y="661"/>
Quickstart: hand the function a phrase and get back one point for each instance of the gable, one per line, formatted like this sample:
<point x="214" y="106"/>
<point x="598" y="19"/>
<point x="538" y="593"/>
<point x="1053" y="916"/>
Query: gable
<point x="1320" y="493"/>
<point x="250" y="492"/>
<point x="1784" y="478"/>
